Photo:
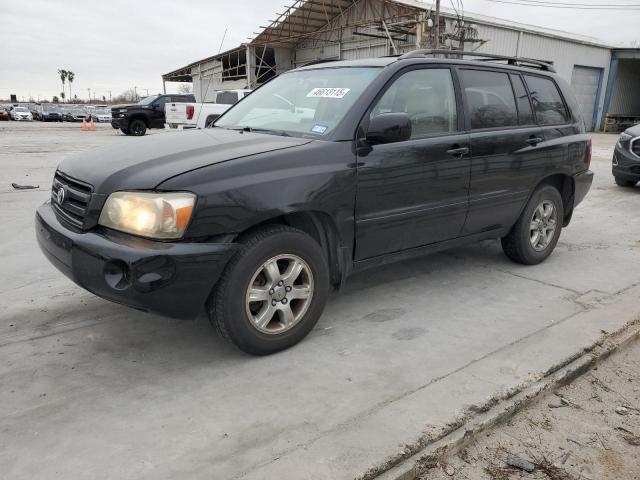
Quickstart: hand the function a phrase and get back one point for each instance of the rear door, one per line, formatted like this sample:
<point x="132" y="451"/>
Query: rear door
<point x="414" y="193"/>
<point x="505" y="159"/>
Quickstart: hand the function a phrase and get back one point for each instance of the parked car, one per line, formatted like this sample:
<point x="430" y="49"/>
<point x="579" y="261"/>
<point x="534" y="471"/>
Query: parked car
<point x="21" y="113"/>
<point x="147" y="113"/>
<point x="49" y="113"/>
<point x="626" y="158"/>
<point x="254" y="220"/>
<point x="74" y="115"/>
<point x="101" y="115"/>
<point x="191" y="115"/>
<point x="4" y="115"/>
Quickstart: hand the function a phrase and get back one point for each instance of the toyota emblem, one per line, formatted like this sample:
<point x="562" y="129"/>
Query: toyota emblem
<point x="61" y="194"/>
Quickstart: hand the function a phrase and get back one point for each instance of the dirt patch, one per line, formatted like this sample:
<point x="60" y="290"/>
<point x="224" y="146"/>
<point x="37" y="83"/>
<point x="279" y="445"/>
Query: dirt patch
<point x="587" y="430"/>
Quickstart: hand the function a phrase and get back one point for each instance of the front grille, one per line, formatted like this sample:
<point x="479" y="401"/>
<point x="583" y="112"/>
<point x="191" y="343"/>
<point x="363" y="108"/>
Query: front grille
<point x="635" y="147"/>
<point x="75" y="204"/>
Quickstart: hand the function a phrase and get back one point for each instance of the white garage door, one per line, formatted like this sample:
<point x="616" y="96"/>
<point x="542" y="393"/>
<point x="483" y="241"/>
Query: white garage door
<point x="585" y="82"/>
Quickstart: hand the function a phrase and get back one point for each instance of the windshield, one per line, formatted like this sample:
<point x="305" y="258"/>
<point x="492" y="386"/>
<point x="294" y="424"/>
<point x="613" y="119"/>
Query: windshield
<point x="308" y="102"/>
<point x="20" y="109"/>
<point x="148" y="100"/>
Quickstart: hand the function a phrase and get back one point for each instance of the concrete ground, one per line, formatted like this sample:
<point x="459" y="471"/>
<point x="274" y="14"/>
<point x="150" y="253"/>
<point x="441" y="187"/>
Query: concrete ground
<point x="93" y="390"/>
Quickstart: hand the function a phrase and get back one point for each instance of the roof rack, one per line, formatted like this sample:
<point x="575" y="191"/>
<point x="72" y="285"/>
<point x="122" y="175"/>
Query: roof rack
<point x="517" y="61"/>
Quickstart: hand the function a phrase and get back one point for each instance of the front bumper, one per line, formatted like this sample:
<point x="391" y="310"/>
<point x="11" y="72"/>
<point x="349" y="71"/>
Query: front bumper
<point x="169" y="278"/>
<point x="120" y="122"/>
<point x="625" y="165"/>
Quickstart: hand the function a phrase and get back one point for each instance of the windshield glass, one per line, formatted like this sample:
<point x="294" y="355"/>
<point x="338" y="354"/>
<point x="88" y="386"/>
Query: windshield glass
<point x="148" y="100"/>
<point x="307" y="102"/>
<point x="21" y="109"/>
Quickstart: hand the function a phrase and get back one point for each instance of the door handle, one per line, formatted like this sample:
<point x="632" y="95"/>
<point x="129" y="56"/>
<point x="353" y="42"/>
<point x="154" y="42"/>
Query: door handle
<point x="533" y="141"/>
<point x="458" y="152"/>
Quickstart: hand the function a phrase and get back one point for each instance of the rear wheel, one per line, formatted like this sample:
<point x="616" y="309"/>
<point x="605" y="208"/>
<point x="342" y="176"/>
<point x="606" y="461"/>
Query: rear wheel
<point x="535" y="235"/>
<point x="138" y="128"/>
<point x="624" y="183"/>
<point x="272" y="292"/>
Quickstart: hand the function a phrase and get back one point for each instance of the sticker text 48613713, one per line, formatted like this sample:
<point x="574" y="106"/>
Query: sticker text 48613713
<point x="328" y="92"/>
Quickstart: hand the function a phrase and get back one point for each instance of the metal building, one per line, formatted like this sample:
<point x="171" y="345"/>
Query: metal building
<point x="312" y="30"/>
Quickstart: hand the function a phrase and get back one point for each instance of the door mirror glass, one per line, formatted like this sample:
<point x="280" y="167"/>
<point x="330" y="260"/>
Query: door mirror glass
<point x="389" y="128"/>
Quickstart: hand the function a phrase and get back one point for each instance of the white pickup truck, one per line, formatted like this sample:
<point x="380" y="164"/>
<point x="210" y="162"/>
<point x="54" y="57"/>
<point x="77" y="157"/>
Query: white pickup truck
<point x="201" y="115"/>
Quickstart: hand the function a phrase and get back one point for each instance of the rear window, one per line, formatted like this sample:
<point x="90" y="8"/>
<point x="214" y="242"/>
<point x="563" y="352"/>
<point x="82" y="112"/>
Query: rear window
<point x="547" y="101"/>
<point x="227" y="98"/>
<point x="490" y="99"/>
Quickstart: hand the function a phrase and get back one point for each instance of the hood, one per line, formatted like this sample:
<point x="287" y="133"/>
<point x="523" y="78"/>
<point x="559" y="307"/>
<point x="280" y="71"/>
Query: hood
<point x="142" y="163"/>
<point x="124" y="105"/>
<point x="635" y="130"/>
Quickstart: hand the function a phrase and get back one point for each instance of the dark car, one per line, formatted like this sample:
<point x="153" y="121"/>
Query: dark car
<point x="75" y="115"/>
<point x="324" y="171"/>
<point x="626" y="158"/>
<point x="49" y="114"/>
<point x="148" y="113"/>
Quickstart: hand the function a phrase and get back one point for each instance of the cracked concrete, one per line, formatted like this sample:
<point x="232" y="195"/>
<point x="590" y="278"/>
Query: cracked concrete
<point x="91" y="389"/>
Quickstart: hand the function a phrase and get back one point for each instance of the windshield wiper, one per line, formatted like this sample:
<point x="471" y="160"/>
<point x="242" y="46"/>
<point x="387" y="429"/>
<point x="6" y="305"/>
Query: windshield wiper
<point x="282" y="133"/>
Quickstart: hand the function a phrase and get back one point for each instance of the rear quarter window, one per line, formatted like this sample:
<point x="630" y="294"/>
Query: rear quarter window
<point x="547" y="101"/>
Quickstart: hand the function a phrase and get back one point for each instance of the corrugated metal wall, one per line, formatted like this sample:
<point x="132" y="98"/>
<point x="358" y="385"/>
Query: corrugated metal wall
<point x="625" y="99"/>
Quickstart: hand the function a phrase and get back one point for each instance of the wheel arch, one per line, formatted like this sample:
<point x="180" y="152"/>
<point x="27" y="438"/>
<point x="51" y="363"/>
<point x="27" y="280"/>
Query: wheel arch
<point x="140" y="116"/>
<point x="566" y="186"/>
<point x="321" y="227"/>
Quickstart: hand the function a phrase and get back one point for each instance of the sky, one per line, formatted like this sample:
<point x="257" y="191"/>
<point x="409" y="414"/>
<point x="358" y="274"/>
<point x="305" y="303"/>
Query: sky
<point x="117" y="45"/>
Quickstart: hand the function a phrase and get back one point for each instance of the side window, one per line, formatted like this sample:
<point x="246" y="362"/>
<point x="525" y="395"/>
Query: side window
<point x="525" y="114"/>
<point x="490" y="99"/>
<point x="547" y="101"/>
<point x="427" y="96"/>
<point x="227" y="98"/>
<point x="161" y="101"/>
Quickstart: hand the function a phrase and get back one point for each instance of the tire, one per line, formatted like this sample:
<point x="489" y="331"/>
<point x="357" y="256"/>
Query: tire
<point x="126" y="131"/>
<point x="518" y="245"/>
<point x="137" y="128"/>
<point x="236" y="318"/>
<point x="624" y="183"/>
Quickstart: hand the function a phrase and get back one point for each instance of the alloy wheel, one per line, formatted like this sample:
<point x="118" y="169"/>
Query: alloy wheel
<point x="543" y="225"/>
<point x="279" y="294"/>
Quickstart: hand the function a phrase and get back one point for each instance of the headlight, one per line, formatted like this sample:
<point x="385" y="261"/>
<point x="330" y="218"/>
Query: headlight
<point x="624" y="138"/>
<point x="152" y="215"/>
<point x="124" y="110"/>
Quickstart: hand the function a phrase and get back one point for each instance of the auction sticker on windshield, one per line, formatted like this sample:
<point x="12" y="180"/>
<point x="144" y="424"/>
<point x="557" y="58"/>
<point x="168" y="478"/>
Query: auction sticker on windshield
<point x="326" y="92"/>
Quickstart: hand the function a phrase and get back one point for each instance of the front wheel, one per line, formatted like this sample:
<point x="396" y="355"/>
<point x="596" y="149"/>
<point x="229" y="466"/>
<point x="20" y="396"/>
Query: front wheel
<point x="535" y="235"/>
<point x="624" y="183"/>
<point x="138" y="128"/>
<point x="272" y="292"/>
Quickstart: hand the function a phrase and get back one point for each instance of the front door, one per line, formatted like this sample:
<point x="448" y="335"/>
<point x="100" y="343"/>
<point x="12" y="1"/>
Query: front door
<point x="415" y="192"/>
<point x="158" y="115"/>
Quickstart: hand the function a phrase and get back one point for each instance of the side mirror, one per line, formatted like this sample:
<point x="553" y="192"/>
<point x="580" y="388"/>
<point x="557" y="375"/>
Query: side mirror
<point x="389" y="128"/>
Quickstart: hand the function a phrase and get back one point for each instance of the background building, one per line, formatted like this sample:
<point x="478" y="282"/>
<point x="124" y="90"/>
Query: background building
<point x="312" y="30"/>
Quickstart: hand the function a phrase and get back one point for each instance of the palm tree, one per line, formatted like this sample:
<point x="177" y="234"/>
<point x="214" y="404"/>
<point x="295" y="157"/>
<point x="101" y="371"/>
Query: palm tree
<point x="70" y="77"/>
<point x="63" y="77"/>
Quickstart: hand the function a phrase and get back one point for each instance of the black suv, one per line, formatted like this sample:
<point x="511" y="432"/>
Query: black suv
<point x="136" y="118"/>
<point x="324" y="171"/>
<point x="626" y="158"/>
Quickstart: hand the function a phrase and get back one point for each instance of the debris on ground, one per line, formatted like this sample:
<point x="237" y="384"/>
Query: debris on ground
<point x="596" y="436"/>
<point x="24" y="187"/>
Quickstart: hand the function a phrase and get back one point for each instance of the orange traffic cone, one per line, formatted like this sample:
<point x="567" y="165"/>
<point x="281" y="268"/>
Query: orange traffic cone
<point x="84" y="125"/>
<point x="92" y="126"/>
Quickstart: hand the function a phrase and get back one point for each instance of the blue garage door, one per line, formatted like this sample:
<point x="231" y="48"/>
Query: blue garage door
<point x="586" y="86"/>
